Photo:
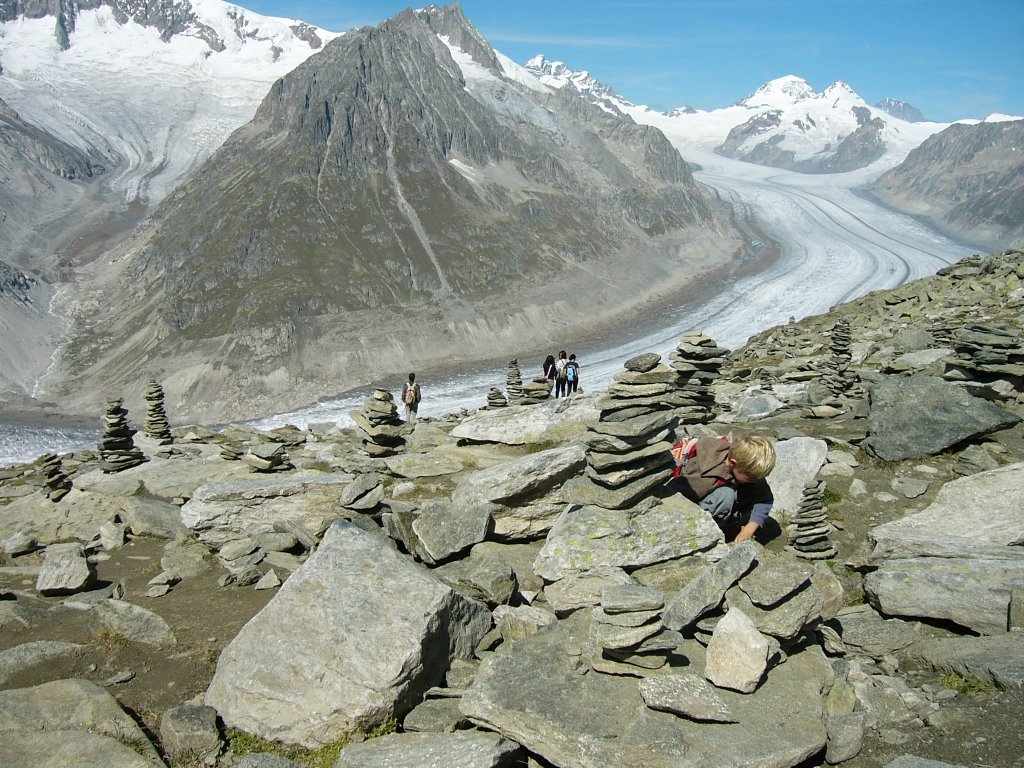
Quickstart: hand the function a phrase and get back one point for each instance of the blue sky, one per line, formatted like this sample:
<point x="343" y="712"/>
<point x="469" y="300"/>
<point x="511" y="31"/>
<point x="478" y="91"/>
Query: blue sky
<point x="951" y="59"/>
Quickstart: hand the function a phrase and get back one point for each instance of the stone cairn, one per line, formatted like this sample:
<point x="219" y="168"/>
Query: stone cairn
<point x="989" y="354"/>
<point x="514" y="382"/>
<point x="626" y="631"/>
<point x="267" y="457"/>
<point x="117" y="448"/>
<point x="157" y="427"/>
<point x="809" y="534"/>
<point x="837" y="375"/>
<point x="495" y="399"/>
<point x="383" y="430"/>
<point x="629" y="446"/>
<point x="698" y="360"/>
<point x="54" y="477"/>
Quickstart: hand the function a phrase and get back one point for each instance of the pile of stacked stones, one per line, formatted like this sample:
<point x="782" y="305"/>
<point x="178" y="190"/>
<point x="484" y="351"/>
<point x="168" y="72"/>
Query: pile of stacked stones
<point x="495" y="399"/>
<point x="383" y="430"/>
<point x="988" y="353"/>
<point x="626" y="631"/>
<point x="117" y="448"/>
<point x="809" y="534"/>
<point x="267" y="457"/>
<point x="629" y="446"/>
<point x="698" y="360"/>
<point x="157" y="427"/>
<point x="514" y="382"/>
<point x="837" y="376"/>
<point x="54" y="477"/>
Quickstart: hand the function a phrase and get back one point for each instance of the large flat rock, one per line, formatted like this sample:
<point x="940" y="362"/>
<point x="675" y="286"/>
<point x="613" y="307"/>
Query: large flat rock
<point x="587" y="537"/>
<point x="538" y="694"/>
<point x="978" y="515"/>
<point x="555" y="420"/>
<point x="358" y="633"/>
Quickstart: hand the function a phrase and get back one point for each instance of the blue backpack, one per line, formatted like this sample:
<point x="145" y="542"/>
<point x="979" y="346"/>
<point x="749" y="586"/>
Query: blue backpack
<point x="570" y="370"/>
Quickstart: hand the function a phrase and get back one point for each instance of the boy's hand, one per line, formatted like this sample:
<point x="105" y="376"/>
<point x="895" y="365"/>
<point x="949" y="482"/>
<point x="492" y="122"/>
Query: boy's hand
<point x="746" y="533"/>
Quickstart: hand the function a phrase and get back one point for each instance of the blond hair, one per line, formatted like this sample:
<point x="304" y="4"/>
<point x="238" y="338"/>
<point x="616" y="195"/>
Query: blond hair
<point x="754" y="455"/>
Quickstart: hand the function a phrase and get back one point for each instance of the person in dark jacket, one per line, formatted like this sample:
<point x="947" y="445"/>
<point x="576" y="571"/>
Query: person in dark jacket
<point x="728" y="479"/>
<point x="411" y="396"/>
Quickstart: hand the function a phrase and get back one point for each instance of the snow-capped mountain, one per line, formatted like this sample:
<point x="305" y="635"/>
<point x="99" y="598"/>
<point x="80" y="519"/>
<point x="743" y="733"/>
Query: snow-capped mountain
<point x="784" y="123"/>
<point x="902" y="110"/>
<point x="152" y="87"/>
<point x="555" y="74"/>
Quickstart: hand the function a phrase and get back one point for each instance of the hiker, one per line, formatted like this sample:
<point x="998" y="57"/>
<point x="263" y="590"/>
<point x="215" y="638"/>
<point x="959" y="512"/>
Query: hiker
<point x="411" y="397"/>
<point x="560" y="365"/>
<point x="549" y="370"/>
<point x="728" y="480"/>
<point x="572" y="375"/>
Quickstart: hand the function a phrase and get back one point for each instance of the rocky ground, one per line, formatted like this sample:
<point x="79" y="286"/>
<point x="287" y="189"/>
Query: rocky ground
<point x="199" y="535"/>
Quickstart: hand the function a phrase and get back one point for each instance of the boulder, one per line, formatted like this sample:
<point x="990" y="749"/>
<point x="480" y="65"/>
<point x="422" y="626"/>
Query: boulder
<point x="466" y="749"/>
<point x="523" y="495"/>
<point x="555" y="420"/>
<point x="973" y="592"/>
<point x="997" y="658"/>
<point x="387" y="631"/>
<point x="587" y="537"/>
<point x="65" y="570"/>
<point x="445" y="529"/>
<point x="797" y="462"/>
<point x="978" y="515"/>
<point x="223" y="511"/>
<point x="738" y="654"/>
<point x="923" y="416"/>
<point x="82" y="723"/>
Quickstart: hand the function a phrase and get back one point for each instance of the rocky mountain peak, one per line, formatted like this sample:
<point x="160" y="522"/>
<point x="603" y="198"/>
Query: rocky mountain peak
<point x="901" y="110"/>
<point x="449" y="23"/>
<point x="557" y="74"/>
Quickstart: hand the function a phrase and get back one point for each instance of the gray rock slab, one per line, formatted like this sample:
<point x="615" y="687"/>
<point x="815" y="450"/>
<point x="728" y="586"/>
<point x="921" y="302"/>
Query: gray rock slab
<point x="997" y="658"/>
<point x="797" y="462"/>
<point x="773" y="578"/>
<point x="912" y="761"/>
<point x="972" y="592"/>
<point x="582" y="590"/>
<point x="79" y="515"/>
<point x="190" y="730"/>
<point x="586" y="537"/>
<point x="68" y="749"/>
<point x="864" y="631"/>
<point x="224" y="511"/>
<point x="558" y="420"/>
<point x="738" y="654"/>
<point x="920" y="415"/>
<point x="845" y="737"/>
<point x="687" y="695"/>
<point x="435" y="716"/>
<point x="130" y="621"/>
<point x="466" y="749"/>
<point x="536" y="695"/>
<point x="27" y="655"/>
<point x="525" y="494"/>
<point x="387" y="632"/>
<point x="631" y="598"/>
<point x="708" y="588"/>
<point x="78" y="717"/>
<point x="65" y="570"/>
<point x="783" y="621"/>
<point x="973" y="515"/>
<point x="445" y="528"/>
<point x="416" y="465"/>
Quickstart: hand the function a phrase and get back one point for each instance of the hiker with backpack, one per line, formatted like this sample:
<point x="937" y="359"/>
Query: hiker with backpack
<point x="560" y="365"/>
<point x="572" y="375"/>
<point x="411" y="398"/>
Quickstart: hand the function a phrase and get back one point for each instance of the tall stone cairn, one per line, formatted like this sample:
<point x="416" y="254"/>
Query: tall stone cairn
<point x="809" y="534"/>
<point x="117" y="448"/>
<point x="55" y="479"/>
<point x="514" y="383"/>
<point x="837" y="376"/>
<point x="989" y="354"/>
<point x="157" y="427"/>
<point x="698" y="361"/>
<point x="495" y="399"/>
<point x="629" y="446"/>
<point x="383" y="430"/>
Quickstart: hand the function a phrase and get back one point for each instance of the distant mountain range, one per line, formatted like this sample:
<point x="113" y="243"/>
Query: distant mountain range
<point x="259" y="212"/>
